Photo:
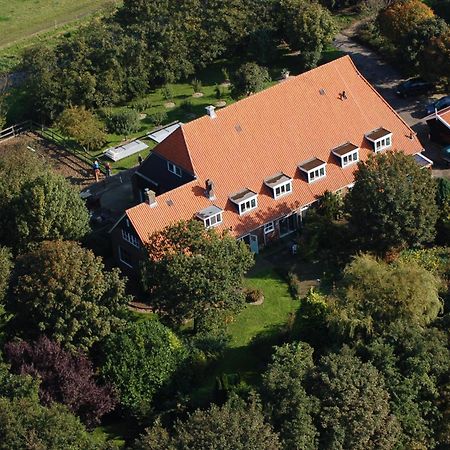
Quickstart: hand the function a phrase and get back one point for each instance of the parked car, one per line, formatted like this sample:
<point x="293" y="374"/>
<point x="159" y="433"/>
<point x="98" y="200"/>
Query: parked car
<point x="414" y="86"/>
<point x="442" y="103"/>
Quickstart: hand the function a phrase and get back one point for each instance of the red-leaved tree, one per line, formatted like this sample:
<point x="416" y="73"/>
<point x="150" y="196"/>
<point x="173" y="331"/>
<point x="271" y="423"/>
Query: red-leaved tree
<point x="66" y="377"/>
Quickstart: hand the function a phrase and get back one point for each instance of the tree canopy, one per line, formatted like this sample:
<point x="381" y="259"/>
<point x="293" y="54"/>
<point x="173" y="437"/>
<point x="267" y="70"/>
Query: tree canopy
<point x="65" y="377"/>
<point x="81" y="125"/>
<point x="355" y="411"/>
<point x="194" y="273"/>
<point x="139" y="361"/>
<point x="5" y="271"/>
<point x="392" y="203"/>
<point x="376" y="294"/>
<point x="248" y="79"/>
<point x="63" y="291"/>
<point x="237" y="425"/>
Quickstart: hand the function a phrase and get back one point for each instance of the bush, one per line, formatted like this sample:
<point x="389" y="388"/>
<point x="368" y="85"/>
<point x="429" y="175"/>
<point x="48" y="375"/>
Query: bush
<point x="158" y="117"/>
<point x="142" y="104"/>
<point x="294" y="285"/>
<point x="248" y="79"/>
<point x="254" y="295"/>
<point x="197" y="85"/>
<point x="125" y="121"/>
<point x="167" y="92"/>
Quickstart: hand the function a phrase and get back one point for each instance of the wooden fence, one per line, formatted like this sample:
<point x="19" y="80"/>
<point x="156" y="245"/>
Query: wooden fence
<point x="47" y="133"/>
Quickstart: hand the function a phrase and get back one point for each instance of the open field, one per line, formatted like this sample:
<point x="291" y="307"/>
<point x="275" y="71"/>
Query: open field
<point x="20" y="19"/>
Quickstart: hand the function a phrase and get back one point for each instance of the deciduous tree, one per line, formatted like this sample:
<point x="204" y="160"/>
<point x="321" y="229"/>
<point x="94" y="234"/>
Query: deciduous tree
<point x="81" y="125"/>
<point x="392" y="203"/>
<point x="63" y="291"/>
<point x="5" y="271"/>
<point x="65" y="377"/>
<point x="193" y="273"/>
<point x="237" y="425"/>
<point x="46" y="208"/>
<point x="376" y="294"/>
<point x="290" y="408"/>
<point x="248" y="79"/>
<point x="139" y="361"/>
<point x="355" y="411"/>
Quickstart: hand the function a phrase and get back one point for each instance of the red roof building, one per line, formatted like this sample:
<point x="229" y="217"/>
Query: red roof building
<point x="255" y="166"/>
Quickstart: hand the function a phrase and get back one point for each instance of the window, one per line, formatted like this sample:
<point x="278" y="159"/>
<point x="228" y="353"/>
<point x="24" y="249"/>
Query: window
<point x="283" y="189"/>
<point x="269" y="227"/>
<point x="350" y="158"/>
<point x="248" y="205"/>
<point x="213" y="220"/>
<point x="130" y="238"/>
<point x="125" y="257"/>
<point x="383" y="143"/>
<point x="173" y="169"/>
<point x="316" y="174"/>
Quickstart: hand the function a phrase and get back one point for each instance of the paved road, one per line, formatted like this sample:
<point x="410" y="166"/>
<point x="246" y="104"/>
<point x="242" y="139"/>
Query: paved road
<point x="385" y="79"/>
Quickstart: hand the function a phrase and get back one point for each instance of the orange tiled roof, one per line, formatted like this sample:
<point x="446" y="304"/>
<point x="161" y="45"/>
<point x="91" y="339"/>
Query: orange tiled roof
<point x="445" y="115"/>
<point x="268" y="133"/>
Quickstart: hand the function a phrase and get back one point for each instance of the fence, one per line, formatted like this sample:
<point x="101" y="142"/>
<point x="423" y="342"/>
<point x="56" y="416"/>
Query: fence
<point x="47" y="133"/>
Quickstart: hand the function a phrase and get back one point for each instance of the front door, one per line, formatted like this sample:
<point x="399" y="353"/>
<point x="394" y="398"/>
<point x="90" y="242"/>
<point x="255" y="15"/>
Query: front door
<point x="288" y="225"/>
<point x="254" y="244"/>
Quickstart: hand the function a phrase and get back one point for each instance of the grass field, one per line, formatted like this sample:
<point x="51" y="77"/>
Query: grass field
<point x="20" y="19"/>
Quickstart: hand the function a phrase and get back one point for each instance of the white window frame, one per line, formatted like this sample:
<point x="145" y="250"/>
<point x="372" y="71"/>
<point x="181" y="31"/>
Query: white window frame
<point x="121" y="260"/>
<point x="248" y="205"/>
<point x="269" y="227"/>
<point x="350" y="158"/>
<point x="316" y="173"/>
<point x="130" y="238"/>
<point x="382" y="143"/>
<point x="284" y="189"/>
<point x="213" y="221"/>
<point x="172" y="168"/>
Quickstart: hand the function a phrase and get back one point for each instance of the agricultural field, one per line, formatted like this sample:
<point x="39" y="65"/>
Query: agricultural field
<point x="25" y="22"/>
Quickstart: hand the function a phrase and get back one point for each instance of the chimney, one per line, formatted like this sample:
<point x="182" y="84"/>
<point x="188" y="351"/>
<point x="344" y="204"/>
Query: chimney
<point x="150" y="197"/>
<point x="210" y="110"/>
<point x="209" y="190"/>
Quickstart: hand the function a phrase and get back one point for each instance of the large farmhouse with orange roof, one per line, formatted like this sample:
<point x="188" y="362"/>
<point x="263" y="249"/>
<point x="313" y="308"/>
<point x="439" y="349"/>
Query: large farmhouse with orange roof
<point x="256" y="166"/>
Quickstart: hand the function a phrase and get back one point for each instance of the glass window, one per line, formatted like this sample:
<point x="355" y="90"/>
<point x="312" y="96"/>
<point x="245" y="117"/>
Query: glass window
<point x="247" y="205"/>
<point x="269" y="227"/>
<point x="130" y="238"/>
<point x="213" y="220"/>
<point x="173" y="169"/>
<point x="125" y="257"/>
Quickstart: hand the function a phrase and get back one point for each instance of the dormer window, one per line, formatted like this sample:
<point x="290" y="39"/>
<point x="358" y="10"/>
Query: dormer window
<point x="348" y="153"/>
<point x="280" y="184"/>
<point x="211" y="216"/>
<point x="315" y="169"/>
<point x="380" y="138"/>
<point x="246" y="200"/>
<point x="172" y="168"/>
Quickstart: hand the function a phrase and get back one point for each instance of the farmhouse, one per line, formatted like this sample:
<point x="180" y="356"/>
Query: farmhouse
<point x="439" y="126"/>
<point x="256" y="166"/>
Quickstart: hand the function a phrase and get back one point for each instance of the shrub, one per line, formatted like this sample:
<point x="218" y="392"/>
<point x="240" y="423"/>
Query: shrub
<point x="142" y="104"/>
<point x="125" y="121"/>
<point x="196" y="85"/>
<point x="225" y="75"/>
<point x="167" y="92"/>
<point x="249" y="78"/>
<point x="294" y="285"/>
<point x="158" y="117"/>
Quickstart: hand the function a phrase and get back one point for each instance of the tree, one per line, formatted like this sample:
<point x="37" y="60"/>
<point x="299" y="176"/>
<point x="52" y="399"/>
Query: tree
<point x="81" y="125"/>
<point x="402" y="16"/>
<point x="308" y="27"/>
<point x="355" y="411"/>
<point x="291" y="409"/>
<point x="125" y="121"/>
<point x="47" y="208"/>
<point x="17" y="386"/>
<point x="66" y="378"/>
<point x="376" y="294"/>
<point x="24" y="424"/>
<point x="5" y="271"/>
<point x="237" y="425"/>
<point x="414" y="361"/>
<point x="436" y="57"/>
<point x="62" y="290"/>
<point x="195" y="273"/>
<point x="248" y="79"/>
<point x="139" y="360"/>
<point x="392" y="203"/>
